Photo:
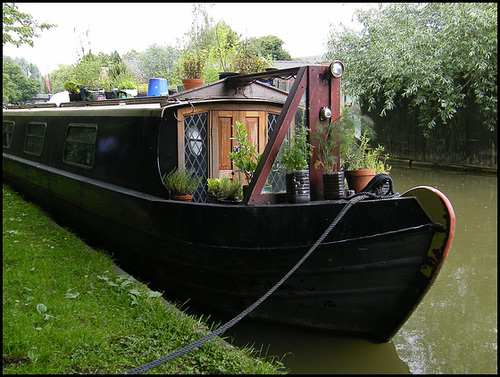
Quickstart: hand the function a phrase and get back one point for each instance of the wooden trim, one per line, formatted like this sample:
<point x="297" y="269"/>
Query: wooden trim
<point x="276" y="139"/>
<point x="239" y="111"/>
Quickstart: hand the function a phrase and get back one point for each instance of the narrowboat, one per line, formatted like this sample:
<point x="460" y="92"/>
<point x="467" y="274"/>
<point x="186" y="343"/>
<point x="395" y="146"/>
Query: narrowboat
<point x="97" y="168"/>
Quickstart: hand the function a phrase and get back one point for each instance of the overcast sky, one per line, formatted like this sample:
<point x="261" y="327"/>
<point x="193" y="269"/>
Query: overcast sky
<point x="303" y="27"/>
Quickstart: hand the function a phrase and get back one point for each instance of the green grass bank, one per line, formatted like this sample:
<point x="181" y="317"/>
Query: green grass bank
<point x="66" y="310"/>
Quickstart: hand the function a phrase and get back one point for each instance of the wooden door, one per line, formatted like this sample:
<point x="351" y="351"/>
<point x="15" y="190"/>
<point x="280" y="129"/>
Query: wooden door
<point x="256" y="124"/>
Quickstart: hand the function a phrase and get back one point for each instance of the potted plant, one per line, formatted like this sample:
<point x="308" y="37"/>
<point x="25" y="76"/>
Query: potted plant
<point x="74" y="90"/>
<point x="192" y="69"/>
<point x="359" y="161"/>
<point x="224" y="190"/>
<point x="294" y="157"/>
<point x="328" y="139"/>
<point x="181" y="183"/>
<point x="364" y="163"/>
<point x="244" y="156"/>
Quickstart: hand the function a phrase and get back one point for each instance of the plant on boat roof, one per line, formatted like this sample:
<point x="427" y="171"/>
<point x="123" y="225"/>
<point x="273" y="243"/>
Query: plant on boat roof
<point x="295" y="154"/>
<point x="225" y="188"/>
<point x="181" y="181"/>
<point x="71" y="86"/>
<point x="245" y="156"/>
<point x="193" y="65"/>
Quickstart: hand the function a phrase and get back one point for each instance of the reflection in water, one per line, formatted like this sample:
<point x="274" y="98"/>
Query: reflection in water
<point x="306" y="351"/>
<point x="454" y="329"/>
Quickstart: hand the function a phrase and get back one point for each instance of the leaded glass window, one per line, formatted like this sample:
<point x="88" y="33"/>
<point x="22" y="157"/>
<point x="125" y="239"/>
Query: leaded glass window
<point x="196" y="150"/>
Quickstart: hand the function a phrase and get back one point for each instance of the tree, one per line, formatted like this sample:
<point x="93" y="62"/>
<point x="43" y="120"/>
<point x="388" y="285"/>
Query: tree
<point x="201" y="35"/>
<point x="437" y="56"/>
<point x="59" y="76"/>
<point x="226" y="45"/>
<point x="158" y="61"/>
<point x="270" y="47"/>
<point x="20" y="28"/>
<point x="31" y="71"/>
<point x="17" y="87"/>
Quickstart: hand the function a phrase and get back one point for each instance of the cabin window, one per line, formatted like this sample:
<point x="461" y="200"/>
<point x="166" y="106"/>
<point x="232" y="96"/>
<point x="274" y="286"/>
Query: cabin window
<point x="195" y="150"/>
<point x="8" y="131"/>
<point x="79" y="146"/>
<point x="276" y="180"/>
<point x="35" y="135"/>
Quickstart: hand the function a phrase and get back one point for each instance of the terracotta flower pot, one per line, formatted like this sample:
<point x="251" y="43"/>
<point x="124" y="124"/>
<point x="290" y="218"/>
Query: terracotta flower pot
<point x="192" y="83"/>
<point x="182" y="198"/>
<point x="358" y="179"/>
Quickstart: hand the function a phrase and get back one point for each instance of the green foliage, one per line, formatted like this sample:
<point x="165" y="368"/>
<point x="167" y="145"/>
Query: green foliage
<point x="328" y="142"/>
<point x="225" y="188"/>
<point x="364" y="157"/>
<point x="118" y="76"/>
<point x="181" y="181"/>
<point x="96" y="72"/>
<point x="295" y="154"/>
<point x="351" y="123"/>
<point x="20" y="28"/>
<point x="67" y="311"/>
<point x="351" y="133"/>
<point x="159" y="61"/>
<point x="71" y="86"/>
<point x="245" y="157"/>
<point x="227" y="42"/>
<point x="270" y="47"/>
<point x="192" y="64"/>
<point x="88" y="72"/>
<point x="59" y="76"/>
<point x="438" y="56"/>
<point x="245" y="65"/>
<point x="17" y="87"/>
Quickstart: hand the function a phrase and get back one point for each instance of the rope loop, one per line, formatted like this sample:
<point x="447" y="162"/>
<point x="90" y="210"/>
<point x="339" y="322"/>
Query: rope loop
<point x="380" y="187"/>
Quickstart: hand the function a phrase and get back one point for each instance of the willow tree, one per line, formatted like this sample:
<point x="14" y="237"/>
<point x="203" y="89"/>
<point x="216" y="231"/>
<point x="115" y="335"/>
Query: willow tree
<point x="438" y="56"/>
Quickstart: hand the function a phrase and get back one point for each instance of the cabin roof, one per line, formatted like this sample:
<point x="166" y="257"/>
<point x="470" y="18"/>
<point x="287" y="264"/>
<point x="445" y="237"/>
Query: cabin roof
<point x="223" y="89"/>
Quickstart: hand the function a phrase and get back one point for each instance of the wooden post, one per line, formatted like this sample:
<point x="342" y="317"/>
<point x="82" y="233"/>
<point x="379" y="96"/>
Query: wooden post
<point x="323" y="90"/>
<point x="285" y="118"/>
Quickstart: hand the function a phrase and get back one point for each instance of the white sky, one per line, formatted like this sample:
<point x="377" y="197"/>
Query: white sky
<point x="303" y="27"/>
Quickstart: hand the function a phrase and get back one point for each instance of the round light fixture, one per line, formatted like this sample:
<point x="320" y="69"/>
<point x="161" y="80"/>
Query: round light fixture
<point x="337" y="68"/>
<point x="325" y="113"/>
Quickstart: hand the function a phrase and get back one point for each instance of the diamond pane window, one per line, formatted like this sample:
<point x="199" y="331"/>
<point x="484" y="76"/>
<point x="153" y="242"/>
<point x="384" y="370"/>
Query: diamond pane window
<point x="276" y="180"/>
<point x="196" y="151"/>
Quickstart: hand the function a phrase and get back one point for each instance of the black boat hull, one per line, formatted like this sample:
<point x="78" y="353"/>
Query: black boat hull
<point x="366" y="278"/>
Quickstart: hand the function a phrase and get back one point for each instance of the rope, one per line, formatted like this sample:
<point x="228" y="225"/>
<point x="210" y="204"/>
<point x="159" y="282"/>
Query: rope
<point x="375" y="188"/>
<point x="352" y="200"/>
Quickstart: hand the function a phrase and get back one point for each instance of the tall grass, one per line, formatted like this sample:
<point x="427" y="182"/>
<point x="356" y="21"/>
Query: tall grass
<point x="66" y="310"/>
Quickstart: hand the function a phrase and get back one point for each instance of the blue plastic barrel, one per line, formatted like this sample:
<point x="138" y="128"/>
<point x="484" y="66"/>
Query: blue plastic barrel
<point x="157" y="87"/>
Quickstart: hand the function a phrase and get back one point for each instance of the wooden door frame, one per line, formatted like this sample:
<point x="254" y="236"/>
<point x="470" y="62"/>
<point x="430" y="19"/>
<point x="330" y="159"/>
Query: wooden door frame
<point x="212" y="131"/>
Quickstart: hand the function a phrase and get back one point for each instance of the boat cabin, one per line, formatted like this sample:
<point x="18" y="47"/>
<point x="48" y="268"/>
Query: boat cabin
<point x="204" y="117"/>
<point x="134" y="142"/>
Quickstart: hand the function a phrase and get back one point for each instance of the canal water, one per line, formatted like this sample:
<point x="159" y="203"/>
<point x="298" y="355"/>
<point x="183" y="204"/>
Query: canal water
<point x="454" y="330"/>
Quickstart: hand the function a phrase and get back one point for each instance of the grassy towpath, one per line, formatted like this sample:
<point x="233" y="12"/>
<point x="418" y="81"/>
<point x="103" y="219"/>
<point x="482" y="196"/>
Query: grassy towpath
<point x="66" y="310"/>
